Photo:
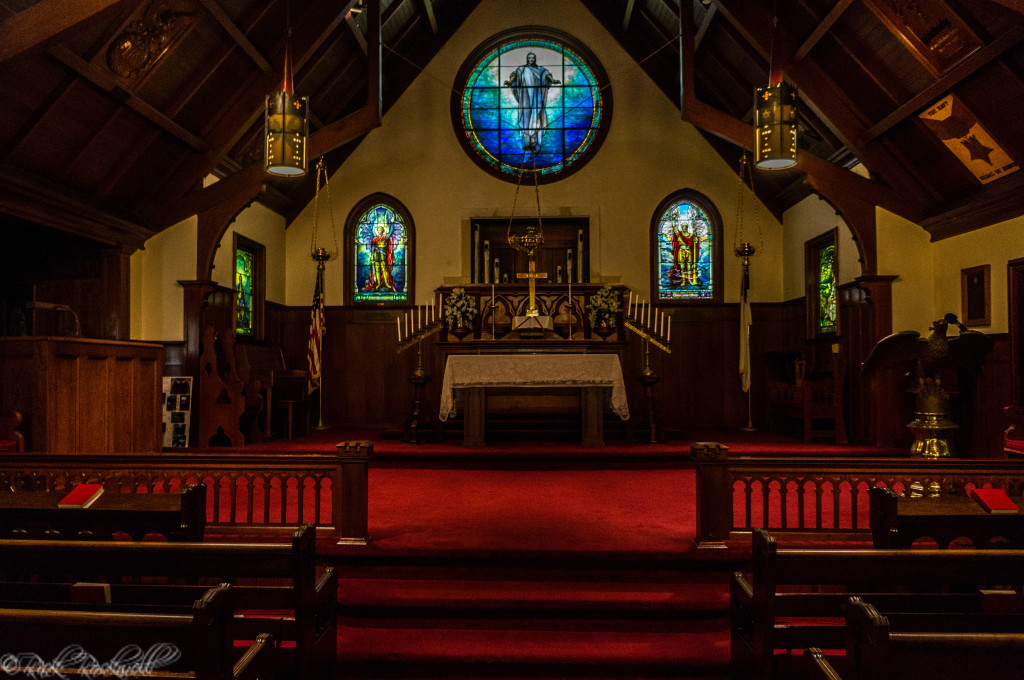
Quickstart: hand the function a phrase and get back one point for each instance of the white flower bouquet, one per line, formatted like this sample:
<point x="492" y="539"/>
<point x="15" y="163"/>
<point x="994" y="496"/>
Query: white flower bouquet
<point x="459" y="308"/>
<point x="604" y="305"/>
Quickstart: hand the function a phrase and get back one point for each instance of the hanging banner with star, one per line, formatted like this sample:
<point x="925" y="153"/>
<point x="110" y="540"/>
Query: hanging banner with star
<point x="960" y="131"/>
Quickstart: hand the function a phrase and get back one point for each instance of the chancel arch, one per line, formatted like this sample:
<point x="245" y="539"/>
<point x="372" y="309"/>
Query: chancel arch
<point x="686" y="250"/>
<point x="379" y="253"/>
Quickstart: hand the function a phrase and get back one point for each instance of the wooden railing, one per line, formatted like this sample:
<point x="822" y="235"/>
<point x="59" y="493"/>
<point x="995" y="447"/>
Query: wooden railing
<point x="246" y="493"/>
<point x="822" y="498"/>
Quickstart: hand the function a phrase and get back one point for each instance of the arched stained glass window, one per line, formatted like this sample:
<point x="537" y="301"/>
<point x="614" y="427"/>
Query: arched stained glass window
<point x="821" y="262"/>
<point x="379" y="234"/>
<point x="686" y="249"/>
<point x="250" y="284"/>
<point x="531" y="102"/>
<point x="243" y="291"/>
<point x="827" y="289"/>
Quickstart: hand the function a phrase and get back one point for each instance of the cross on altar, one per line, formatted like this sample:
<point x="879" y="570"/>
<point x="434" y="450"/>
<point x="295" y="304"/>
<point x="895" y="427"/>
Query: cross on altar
<point x="532" y="275"/>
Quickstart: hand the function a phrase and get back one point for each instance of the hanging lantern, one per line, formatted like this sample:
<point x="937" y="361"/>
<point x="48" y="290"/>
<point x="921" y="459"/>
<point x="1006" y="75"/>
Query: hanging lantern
<point x="775" y="139"/>
<point x="286" y="128"/>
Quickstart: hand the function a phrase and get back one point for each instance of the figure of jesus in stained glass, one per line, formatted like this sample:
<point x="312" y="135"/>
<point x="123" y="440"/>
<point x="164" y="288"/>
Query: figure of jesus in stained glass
<point x="380" y="256"/>
<point x="529" y="84"/>
<point x="531" y="106"/>
<point x="684" y="249"/>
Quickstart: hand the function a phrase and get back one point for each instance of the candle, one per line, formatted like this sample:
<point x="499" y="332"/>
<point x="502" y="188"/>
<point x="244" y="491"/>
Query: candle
<point x="419" y="313"/>
<point x="407" y="329"/>
<point x="398" y="322"/>
<point x="668" y="336"/>
<point x="492" y="294"/>
<point x="629" y="304"/>
<point x="647" y="313"/>
<point x="662" y="324"/>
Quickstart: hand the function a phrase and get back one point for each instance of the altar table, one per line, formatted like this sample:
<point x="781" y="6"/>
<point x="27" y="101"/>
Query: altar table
<point x="599" y="377"/>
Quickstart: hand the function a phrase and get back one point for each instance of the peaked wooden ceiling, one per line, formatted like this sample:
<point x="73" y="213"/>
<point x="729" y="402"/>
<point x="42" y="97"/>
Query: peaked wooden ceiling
<point x="116" y="110"/>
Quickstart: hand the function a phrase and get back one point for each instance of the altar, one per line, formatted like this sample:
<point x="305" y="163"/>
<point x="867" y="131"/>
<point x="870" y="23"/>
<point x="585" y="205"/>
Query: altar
<point x="598" y="377"/>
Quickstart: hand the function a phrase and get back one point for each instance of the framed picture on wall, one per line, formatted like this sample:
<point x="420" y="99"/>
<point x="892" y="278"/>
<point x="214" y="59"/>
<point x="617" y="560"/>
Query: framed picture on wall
<point x="975" y="296"/>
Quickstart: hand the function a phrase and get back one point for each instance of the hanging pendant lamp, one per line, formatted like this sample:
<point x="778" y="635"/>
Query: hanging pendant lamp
<point x="775" y="138"/>
<point x="286" y="127"/>
<point x="775" y="129"/>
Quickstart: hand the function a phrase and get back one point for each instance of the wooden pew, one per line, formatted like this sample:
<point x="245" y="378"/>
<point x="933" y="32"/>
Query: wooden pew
<point x="813" y="585"/>
<point x="875" y="651"/>
<point x="193" y="644"/>
<point x="817" y="667"/>
<point x="897" y="522"/>
<point x="36" y="515"/>
<point x="276" y="586"/>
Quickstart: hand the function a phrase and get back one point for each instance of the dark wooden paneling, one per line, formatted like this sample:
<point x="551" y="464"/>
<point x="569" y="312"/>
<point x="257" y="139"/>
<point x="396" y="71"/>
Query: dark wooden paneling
<point x="80" y="395"/>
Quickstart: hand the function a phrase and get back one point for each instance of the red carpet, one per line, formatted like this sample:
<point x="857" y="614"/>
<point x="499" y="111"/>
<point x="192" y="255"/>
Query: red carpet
<point x="536" y="560"/>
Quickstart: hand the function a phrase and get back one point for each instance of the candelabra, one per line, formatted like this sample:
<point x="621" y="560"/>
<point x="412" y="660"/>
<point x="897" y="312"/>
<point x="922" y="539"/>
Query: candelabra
<point x="419" y="327"/>
<point x="658" y="332"/>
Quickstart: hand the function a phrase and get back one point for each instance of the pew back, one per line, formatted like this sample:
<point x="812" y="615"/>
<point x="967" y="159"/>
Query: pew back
<point x="815" y="584"/>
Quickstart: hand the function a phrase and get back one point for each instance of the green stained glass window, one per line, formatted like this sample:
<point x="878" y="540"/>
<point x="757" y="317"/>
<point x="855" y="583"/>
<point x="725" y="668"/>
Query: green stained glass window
<point x="827" y="289"/>
<point x="244" y="281"/>
<point x="532" y="104"/>
<point x="380" y="244"/>
<point x="684" y="249"/>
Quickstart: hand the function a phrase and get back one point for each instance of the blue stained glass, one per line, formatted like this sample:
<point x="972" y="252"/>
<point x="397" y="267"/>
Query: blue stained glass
<point x="558" y="90"/>
<point x="685" y="240"/>
<point x="485" y="99"/>
<point x="380" y="246"/>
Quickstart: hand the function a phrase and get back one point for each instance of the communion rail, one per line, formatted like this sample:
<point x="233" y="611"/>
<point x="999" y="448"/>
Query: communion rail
<point x="246" y="493"/>
<point x="822" y="498"/>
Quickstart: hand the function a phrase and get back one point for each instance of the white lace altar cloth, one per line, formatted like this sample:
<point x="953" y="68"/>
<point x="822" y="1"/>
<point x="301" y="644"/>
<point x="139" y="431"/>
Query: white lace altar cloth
<point x="533" y="370"/>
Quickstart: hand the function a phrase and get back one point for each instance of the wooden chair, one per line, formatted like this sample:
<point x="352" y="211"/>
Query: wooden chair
<point x="1013" y="436"/>
<point x="10" y="438"/>
<point x="817" y="400"/>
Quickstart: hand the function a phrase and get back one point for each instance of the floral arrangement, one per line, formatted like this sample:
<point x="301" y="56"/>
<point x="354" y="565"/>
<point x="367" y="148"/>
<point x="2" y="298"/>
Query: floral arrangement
<point x="459" y="308"/>
<point x="604" y="305"/>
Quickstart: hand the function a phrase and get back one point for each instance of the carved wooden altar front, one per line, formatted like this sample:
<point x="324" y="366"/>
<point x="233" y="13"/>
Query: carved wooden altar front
<point x="497" y="305"/>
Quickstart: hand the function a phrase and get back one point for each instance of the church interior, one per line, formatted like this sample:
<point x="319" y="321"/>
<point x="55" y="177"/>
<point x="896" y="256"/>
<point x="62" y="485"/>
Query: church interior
<point x="688" y="304"/>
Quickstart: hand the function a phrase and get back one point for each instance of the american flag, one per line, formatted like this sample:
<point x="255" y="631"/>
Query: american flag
<point x="316" y="329"/>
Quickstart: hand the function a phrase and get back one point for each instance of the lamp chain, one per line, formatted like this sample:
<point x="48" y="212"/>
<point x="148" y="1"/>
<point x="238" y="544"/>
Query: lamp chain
<point x="737" y="235"/>
<point x="321" y="171"/>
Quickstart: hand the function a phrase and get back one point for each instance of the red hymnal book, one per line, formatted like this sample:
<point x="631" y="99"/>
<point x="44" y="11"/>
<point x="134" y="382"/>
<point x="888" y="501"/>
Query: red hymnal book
<point x="994" y="501"/>
<point x="82" y="496"/>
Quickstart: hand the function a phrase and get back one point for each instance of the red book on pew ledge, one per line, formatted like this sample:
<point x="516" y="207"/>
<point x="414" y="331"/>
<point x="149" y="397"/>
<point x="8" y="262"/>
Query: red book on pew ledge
<point x="994" y="501"/>
<point x="82" y="496"/>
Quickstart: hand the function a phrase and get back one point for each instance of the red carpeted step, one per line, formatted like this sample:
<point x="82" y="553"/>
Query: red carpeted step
<point x="371" y="652"/>
<point x="487" y="594"/>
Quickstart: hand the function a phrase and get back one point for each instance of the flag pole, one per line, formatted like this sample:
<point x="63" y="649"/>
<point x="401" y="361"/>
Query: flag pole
<point x="745" y="251"/>
<point x="322" y="256"/>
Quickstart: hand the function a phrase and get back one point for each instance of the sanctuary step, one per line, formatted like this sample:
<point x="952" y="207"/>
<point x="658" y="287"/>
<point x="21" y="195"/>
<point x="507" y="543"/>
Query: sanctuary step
<point x="535" y="617"/>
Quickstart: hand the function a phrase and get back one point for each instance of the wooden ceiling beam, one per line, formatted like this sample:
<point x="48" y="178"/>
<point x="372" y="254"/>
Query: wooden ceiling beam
<point x="940" y="86"/>
<point x="218" y="13"/>
<point x="627" y="17"/>
<point x="428" y="11"/>
<point x="244" y="106"/>
<point x="1015" y="5"/>
<point x="705" y="25"/>
<point x="45" y="20"/>
<point x="823" y="27"/>
<point x="110" y="84"/>
<point x="369" y="116"/>
<point x="823" y="95"/>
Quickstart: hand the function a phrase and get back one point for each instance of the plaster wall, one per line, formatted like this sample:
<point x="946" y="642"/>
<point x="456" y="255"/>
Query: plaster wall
<point x="156" y="297"/>
<point x="649" y="153"/>
<point x="808" y="219"/>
